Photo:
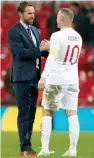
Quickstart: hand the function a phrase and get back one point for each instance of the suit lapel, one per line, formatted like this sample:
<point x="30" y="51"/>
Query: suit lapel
<point x="36" y="35"/>
<point x="23" y="30"/>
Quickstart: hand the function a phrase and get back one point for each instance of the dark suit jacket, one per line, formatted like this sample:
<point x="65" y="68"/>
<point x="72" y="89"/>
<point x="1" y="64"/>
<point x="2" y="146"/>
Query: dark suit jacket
<point x="24" y="54"/>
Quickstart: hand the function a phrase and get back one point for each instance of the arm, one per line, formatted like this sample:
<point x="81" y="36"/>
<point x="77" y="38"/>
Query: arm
<point x="51" y="60"/>
<point x="18" y="49"/>
<point x="50" y="63"/>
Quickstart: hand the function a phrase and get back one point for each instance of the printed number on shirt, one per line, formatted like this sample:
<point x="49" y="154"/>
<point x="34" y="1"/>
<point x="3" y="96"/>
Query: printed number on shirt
<point x="74" y="54"/>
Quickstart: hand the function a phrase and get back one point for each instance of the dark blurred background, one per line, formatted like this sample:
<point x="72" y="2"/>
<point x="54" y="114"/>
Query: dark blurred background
<point x="45" y="21"/>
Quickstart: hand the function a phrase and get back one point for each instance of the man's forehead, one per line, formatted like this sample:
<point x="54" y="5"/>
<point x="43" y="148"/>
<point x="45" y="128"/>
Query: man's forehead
<point x="29" y="9"/>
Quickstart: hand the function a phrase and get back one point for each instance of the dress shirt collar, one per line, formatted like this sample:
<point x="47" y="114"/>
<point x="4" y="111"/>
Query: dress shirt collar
<point x="25" y="25"/>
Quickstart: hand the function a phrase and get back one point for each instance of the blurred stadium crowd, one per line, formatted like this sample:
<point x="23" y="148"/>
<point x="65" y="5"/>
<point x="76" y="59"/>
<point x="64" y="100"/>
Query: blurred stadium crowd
<point x="45" y="21"/>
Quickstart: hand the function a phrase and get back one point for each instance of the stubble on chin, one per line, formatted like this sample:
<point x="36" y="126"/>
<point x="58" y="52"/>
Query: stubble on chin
<point x="29" y="22"/>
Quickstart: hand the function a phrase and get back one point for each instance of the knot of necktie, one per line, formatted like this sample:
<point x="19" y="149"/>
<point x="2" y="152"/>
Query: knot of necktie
<point x="29" y="31"/>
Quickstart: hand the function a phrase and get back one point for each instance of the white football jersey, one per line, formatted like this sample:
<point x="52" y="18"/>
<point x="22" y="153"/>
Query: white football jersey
<point x="62" y="63"/>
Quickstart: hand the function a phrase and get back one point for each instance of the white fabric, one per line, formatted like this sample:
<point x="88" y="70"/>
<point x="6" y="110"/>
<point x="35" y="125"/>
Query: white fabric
<point x="46" y="127"/>
<point x="73" y="131"/>
<point x="50" y="60"/>
<point x="64" y="96"/>
<point x="62" y="71"/>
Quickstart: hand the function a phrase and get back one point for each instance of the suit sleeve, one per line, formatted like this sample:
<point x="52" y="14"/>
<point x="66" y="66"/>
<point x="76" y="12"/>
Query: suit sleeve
<point x="44" y="54"/>
<point x="18" y="49"/>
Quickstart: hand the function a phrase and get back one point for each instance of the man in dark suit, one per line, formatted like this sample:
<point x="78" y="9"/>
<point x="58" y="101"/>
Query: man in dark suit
<point x="26" y="52"/>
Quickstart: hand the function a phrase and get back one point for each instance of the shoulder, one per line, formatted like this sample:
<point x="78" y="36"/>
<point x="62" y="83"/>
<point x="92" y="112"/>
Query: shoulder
<point x="55" y="35"/>
<point x="14" y="28"/>
<point x="78" y="35"/>
<point x="75" y="33"/>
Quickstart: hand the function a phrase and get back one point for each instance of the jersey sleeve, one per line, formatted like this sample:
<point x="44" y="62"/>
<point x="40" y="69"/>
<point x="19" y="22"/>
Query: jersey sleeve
<point x="51" y="60"/>
<point x="54" y="44"/>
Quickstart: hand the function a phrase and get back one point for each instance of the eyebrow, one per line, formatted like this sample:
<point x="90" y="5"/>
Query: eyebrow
<point x="31" y="12"/>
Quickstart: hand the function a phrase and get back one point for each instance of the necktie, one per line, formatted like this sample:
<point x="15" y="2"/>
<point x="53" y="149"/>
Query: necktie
<point x="29" y="31"/>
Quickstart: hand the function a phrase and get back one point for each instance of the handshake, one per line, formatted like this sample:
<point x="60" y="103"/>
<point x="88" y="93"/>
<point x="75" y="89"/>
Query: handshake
<point x="45" y="45"/>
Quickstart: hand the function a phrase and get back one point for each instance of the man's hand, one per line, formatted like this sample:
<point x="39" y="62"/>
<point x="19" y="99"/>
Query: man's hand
<point x="45" y="45"/>
<point x="41" y="83"/>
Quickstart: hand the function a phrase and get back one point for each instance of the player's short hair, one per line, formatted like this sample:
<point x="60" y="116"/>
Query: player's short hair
<point x="21" y="7"/>
<point x="68" y="13"/>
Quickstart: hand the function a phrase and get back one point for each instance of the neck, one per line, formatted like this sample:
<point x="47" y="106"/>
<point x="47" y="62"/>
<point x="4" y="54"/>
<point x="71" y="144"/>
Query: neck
<point x="65" y="26"/>
<point x="23" y="21"/>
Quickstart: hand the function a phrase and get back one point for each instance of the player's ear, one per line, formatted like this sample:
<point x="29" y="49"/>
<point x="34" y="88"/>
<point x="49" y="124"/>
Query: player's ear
<point x="62" y="18"/>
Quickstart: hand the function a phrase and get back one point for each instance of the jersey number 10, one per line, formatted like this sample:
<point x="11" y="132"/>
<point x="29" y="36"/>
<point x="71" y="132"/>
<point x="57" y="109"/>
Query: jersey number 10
<point x="72" y="54"/>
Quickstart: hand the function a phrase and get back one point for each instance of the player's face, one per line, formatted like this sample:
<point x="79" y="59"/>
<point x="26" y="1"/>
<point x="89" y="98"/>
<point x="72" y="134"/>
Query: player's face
<point x="59" y="19"/>
<point x="28" y="15"/>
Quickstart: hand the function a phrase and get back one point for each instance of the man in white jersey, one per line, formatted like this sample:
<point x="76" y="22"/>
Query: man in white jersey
<point x="60" y="81"/>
